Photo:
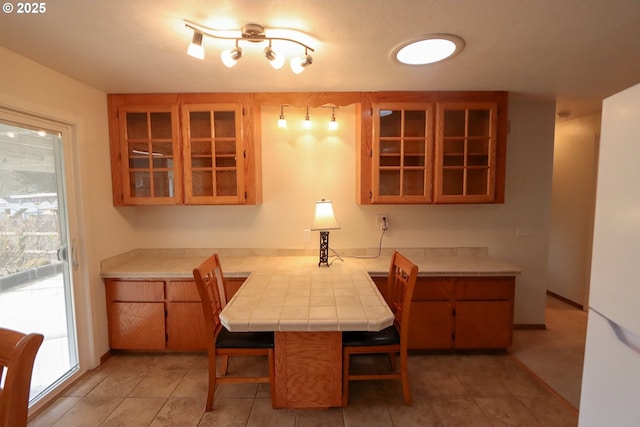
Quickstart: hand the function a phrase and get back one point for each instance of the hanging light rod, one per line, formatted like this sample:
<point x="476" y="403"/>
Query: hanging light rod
<point x="254" y="33"/>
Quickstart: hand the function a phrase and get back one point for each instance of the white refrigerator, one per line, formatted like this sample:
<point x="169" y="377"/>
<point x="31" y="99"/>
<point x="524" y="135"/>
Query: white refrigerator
<point x="611" y="377"/>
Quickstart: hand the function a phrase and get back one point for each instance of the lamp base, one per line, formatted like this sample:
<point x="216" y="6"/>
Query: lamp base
<point x="324" y="248"/>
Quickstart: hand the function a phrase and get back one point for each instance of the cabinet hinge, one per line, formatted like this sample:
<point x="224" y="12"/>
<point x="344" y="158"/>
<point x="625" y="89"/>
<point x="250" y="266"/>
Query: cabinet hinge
<point x="453" y="312"/>
<point x="243" y="111"/>
<point x="166" y="337"/>
<point x="371" y="153"/>
<point x="370" y="195"/>
<point x="453" y="336"/>
<point x="244" y="154"/>
<point x="246" y="196"/>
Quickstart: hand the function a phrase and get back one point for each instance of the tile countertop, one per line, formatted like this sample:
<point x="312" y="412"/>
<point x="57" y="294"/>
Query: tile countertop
<point x="179" y="263"/>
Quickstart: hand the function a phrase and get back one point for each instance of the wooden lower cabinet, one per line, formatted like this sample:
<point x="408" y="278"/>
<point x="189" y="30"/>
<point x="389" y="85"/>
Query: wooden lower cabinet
<point x="460" y="312"/>
<point x="157" y="314"/>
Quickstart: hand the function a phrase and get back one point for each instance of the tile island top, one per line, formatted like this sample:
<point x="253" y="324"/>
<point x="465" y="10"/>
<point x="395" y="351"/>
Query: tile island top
<point x="302" y="297"/>
<point x="179" y="263"/>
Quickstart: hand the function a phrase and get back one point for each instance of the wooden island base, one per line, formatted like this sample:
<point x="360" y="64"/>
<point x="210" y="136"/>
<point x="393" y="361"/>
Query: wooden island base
<point x="308" y="369"/>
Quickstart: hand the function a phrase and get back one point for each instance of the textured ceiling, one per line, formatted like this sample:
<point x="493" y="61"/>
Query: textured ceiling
<point x="574" y="51"/>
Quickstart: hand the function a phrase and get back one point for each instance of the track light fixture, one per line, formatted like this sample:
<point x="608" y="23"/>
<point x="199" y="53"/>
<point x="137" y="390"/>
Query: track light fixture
<point x="254" y="33"/>
<point x="307" y="121"/>
<point x="282" y="122"/>
<point x="333" y="125"/>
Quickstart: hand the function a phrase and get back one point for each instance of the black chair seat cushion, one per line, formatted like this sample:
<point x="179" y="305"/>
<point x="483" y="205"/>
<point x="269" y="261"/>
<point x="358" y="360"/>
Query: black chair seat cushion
<point x="387" y="336"/>
<point x="226" y="339"/>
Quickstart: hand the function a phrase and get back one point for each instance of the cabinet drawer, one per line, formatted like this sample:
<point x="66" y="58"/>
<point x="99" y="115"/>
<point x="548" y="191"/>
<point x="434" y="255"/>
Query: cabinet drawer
<point x="182" y="291"/>
<point x="485" y="288"/>
<point x="433" y="289"/>
<point x="135" y="291"/>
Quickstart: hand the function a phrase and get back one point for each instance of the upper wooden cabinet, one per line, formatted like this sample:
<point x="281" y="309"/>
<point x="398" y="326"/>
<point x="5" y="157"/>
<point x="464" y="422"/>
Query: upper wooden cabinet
<point x="183" y="149"/>
<point x="433" y="147"/>
<point x="403" y="147"/>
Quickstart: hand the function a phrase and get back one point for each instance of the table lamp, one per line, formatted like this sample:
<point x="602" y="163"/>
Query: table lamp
<point x="323" y="222"/>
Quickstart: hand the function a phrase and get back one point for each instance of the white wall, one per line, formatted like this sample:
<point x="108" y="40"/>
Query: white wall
<point x="298" y="169"/>
<point x="572" y="206"/>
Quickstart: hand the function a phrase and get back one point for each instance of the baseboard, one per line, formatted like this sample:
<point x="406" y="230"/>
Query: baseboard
<point x="530" y="326"/>
<point x="106" y="356"/>
<point x="565" y="300"/>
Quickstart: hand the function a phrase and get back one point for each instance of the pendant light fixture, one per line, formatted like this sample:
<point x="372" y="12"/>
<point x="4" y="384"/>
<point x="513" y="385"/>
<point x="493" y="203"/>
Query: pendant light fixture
<point x="253" y="33"/>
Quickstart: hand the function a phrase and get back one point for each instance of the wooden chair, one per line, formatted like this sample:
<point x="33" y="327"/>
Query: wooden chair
<point x="391" y="340"/>
<point x="221" y="342"/>
<point x="17" y="354"/>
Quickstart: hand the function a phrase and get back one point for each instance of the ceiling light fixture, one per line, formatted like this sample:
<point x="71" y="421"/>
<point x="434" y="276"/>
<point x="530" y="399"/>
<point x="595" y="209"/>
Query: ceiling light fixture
<point x="254" y="33"/>
<point x="428" y="49"/>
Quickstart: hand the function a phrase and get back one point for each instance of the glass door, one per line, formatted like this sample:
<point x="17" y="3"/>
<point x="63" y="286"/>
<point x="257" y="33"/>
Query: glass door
<point x="36" y="253"/>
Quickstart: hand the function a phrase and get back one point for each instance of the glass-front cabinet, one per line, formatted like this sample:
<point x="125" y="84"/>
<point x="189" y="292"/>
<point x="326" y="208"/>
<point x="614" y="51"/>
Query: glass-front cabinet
<point x="212" y="147"/>
<point x="189" y="149"/>
<point x="465" y="152"/>
<point x="402" y="150"/>
<point x="151" y="169"/>
<point x="433" y="147"/>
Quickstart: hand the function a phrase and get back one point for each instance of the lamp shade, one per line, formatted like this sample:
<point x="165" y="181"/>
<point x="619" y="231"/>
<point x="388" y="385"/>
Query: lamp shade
<point x="324" y="219"/>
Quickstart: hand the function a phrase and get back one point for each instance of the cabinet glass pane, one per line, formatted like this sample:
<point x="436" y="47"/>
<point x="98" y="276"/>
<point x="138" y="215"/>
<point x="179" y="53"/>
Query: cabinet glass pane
<point x="138" y="153"/>
<point x="415" y="123"/>
<point x="161" y="125"/>
<point x="200" y="124"/>
<point x="201" y="148"/>
<point x="162" y="184"/>
<point x="390" y="123"/>
<point x="414" y="153"/>
<point x="162" y="162"/>
<point x="477" y="181"/>
<point x="413" y="183"/>
<point x="137" y="125"/>
<point x="454" y="123"/>
<point x="226" y="183"/>
<point x="162" y="149"/>
<point x="453" y="160"/>
<point x="140" y="184"/>
<point x="452" y="182"/>
<point x="389" y="153"/>
<point x="225" y="161"/>
<point x="202" y="183"/>
<point x="479" y="121"/>
<point x="389" y="182"/>
<point x="226" y="147"/>
<point x="224" y="124"/>
<point x="201" y="162"/>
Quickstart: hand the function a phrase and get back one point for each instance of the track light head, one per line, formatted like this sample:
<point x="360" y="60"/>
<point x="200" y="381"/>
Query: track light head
<point x="276" y="60"/>
<point x="195" y="48"/>
<point x="230" y="57"/>
<point x="299" y="64"/>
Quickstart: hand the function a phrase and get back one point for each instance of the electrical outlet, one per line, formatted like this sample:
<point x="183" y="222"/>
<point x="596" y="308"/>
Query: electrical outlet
<point x="382" y="222"/>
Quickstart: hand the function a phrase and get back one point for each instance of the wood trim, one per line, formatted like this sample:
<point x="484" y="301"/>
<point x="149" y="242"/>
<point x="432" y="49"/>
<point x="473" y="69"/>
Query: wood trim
<point x="565" y="300"/>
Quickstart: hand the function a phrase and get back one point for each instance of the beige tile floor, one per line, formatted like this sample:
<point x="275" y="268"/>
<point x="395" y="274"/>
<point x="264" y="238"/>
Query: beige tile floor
<point x="448" y="389"/>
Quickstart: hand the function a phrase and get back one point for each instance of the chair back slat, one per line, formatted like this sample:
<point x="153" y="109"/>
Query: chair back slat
<point x="402" y="279"/>
<point x="210" y="283"/>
